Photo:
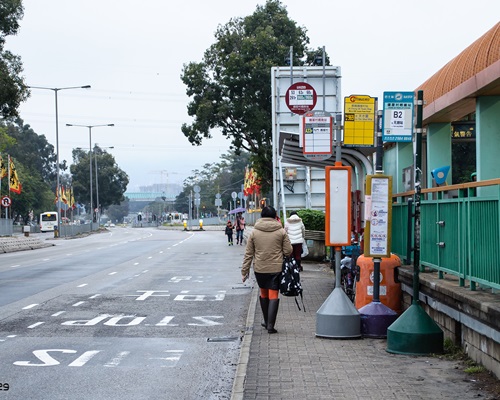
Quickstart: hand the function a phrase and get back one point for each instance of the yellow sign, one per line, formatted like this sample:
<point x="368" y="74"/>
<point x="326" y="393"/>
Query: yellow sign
<point x="359" y="121"/>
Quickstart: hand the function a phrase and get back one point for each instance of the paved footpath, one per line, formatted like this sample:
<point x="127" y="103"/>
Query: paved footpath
<point x="295" y="364"/>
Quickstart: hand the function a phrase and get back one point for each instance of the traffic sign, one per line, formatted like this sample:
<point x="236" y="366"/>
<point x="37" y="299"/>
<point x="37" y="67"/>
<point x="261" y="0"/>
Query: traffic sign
<point x="301" y="98"/>
<point x="398" y="117"/>
<point x="6" y="201"/>
<point x="317" y="135"/>
<point x="359" y="120"/>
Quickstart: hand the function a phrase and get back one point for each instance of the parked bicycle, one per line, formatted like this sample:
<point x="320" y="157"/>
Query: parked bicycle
<point x="349" y="273"/>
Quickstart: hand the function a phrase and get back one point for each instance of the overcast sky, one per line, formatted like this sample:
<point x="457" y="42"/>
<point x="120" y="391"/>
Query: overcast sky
<point x="132" y="53"/>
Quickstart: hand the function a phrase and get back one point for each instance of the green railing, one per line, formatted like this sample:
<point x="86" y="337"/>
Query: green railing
<point x="460" y="233"/>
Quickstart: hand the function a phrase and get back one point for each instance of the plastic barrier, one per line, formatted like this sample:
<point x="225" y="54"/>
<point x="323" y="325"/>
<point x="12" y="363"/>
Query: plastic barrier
<point x="390" y="288"/>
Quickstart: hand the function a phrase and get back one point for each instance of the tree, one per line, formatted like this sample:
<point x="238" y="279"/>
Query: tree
<point x="231" y="87"/>
<point x="13" y="90"/>
<point x="118" y="212"/>
<point x="224" y="177"/>
<point x="112" y="181"/>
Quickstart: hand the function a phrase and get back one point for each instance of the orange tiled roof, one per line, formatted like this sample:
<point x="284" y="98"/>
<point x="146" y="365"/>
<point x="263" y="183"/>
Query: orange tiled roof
<point x="478" y="56"/>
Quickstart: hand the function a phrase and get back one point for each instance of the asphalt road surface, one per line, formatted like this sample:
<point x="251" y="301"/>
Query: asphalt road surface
<point x="125" y="314"/>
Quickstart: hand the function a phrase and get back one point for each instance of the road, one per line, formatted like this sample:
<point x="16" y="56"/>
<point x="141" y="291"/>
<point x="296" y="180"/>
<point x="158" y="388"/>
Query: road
<point x="125" y="314"/>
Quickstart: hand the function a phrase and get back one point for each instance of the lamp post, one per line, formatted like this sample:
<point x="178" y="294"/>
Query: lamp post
<point x="90" y="164"/>
<point x="97" y="183"/>
<point x="56" y="90"/>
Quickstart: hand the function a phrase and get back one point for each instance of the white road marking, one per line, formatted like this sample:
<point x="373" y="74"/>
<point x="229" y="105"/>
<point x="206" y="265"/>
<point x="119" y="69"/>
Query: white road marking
<point x="58" y="313"/>
<point x="112" y="273"/>
<point x="30" y="306"/>
<point x="14" y="266"/>
<point x="84" y="358"/>
<point x="116" y="360"/>
<point x="78" y="303"/>
<point x="94" y="296"/>
<point x="35" y="325"/>
<point x="83" y="285"/>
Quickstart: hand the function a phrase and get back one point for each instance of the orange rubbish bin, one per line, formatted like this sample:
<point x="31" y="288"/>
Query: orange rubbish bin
<point x="391" y="294"/>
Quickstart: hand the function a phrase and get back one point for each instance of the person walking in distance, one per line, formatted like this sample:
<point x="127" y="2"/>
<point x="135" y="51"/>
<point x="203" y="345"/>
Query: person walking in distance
<point x="296" y="232"/>
<point x="266" y="245"/>
<point x="229" y="233"/>
<point x="240" y="227"/>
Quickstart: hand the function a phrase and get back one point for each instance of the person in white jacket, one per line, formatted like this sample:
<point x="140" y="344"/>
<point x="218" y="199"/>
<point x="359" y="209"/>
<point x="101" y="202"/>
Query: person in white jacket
<point x="296" y="232"/>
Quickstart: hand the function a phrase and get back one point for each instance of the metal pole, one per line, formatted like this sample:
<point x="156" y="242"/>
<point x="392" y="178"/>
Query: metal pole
<point x="58" y="193"/>
<point x="91" y="183"/>
<point x="418" y="172"/>
<point x="97" y="192"/>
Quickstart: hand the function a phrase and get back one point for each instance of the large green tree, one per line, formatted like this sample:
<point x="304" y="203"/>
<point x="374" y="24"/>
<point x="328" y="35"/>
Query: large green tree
<point x="12" y="87"/>
<point x="112" y="181"/>
<point x="231" y="87"/>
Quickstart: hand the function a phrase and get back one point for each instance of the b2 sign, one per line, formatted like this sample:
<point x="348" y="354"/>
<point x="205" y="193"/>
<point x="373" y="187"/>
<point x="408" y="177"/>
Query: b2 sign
<point x="398" y="116"/>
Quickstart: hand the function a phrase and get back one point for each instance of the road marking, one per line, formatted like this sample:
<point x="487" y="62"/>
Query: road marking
<point x="166" y="322"/>
<point x="35" y="325"/>
<point x="116" y="360"/>
<point x="58" y="313"/>
<point x="83" y="285"/>
<point x="148" y="293"/>
<point x="78" y="303"/>
<point x="30" y="306"/>
<point x="14" y="266"/>
<point x="150" y="257"/>
<point x="136" y="263"/>
<point x="112" y="273"/>
<point x="94" y="296"/>
<point x="84" y="358"/>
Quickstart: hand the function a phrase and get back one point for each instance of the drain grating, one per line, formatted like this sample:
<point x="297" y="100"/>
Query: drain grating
<point x="224" y="339"/>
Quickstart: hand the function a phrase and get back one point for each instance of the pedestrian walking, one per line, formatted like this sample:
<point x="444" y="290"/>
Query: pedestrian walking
<point x="229" y="233"/>
<point x="296" y="232"/>
<point x="240" y="227"/>
<point x="266" y="246"/>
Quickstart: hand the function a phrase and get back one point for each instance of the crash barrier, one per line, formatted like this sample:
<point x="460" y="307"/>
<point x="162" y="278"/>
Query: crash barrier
<point x="390" y="287"/>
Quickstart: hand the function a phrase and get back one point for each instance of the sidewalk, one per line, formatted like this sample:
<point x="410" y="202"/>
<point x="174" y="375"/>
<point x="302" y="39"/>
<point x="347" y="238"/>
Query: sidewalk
<point x="295" y="364"/>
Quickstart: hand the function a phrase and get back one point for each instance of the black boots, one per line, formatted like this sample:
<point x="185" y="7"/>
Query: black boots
<point x="271" y="315"/>
<point x="264" y="304"/>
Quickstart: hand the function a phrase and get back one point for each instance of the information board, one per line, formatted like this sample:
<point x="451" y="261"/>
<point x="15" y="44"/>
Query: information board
<point x="338" y="206"/>
<point x="317" y="128"/>
<point x="397" y="123"/>
<point x="301" y="98"/>
<point x="359" y="121"/>
<point x="378" y="216"/>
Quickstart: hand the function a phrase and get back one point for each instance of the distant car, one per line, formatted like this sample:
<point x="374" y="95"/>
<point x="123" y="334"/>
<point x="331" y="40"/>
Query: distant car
<point x="112" y="225"/>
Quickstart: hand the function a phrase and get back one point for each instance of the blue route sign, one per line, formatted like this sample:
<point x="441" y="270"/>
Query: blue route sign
<point x="398" y="116"/>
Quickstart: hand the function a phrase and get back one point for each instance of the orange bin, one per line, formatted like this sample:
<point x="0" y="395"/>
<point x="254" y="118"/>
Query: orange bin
<point x="390" y="288"/>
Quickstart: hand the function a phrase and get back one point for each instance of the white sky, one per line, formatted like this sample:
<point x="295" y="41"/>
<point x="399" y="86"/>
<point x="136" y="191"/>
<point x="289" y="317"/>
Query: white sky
<point x="132" y="53"/>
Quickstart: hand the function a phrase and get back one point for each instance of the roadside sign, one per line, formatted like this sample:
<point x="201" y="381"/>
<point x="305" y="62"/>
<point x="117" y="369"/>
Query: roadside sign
<point x="359" y="121"/>
<point x="398" y="117"/>
<point x="378" y="216"/>
<point x="317" y="129"/>
<point x="301" y="98"/>
<point x="338" y="206"/>
<point x="6" y="201"/>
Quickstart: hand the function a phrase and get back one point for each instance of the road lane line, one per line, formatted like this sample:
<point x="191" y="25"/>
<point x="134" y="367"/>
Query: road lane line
<point x="30" y="306"/>
<point x="82" y="285"/>
<point x="78" y="303"/>
<point x="35" y="325"/>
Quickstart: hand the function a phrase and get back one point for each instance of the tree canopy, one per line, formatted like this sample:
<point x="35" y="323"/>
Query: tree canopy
<point x="231" y="87"/>
<point x="112" y="181"/>
<point x="13" y="90"/>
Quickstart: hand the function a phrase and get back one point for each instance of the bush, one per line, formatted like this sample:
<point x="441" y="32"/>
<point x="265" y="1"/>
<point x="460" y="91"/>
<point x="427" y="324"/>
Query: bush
<point x="313" y="220"/>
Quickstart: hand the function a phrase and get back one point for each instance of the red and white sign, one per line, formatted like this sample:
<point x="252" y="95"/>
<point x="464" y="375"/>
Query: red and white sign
<point x="301" y="98"/>
<point x="6" y="201"/>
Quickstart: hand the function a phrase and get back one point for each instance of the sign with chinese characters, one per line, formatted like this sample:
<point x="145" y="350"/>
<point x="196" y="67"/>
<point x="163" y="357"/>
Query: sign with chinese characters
<point x="317" y="127"/>
<point x="301" y="98"/>
<point x="398" y="116"/>
<point x="359" y="121"/>
<point x="378" y="216"/>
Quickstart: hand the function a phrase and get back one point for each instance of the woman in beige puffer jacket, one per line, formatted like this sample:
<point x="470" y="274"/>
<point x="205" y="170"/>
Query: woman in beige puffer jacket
<point x="266" y="246"/>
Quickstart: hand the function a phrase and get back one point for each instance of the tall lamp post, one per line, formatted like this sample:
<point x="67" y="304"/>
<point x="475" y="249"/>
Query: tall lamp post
<point x="90" y="164"/>
<point x="56" y="90"/>
<point x="97" y="183"/>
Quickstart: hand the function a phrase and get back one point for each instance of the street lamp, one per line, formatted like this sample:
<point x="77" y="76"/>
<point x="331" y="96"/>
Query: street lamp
<point x="57" y="146"/>
<point x="90" y="163"/>
<point x="97" y="183"/>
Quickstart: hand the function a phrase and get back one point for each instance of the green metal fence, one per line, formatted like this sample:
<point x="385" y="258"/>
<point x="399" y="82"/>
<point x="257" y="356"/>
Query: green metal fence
<point x="460" y="233"/>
